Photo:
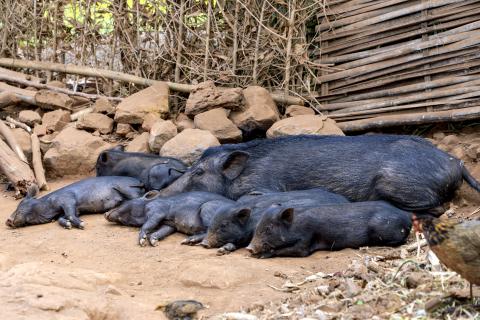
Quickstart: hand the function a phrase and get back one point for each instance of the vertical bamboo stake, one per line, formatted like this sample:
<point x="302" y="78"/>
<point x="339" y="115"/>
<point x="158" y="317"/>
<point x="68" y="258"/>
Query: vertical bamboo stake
<point x="178" y="59"/>
<point x="291" y="24"/>
<point x="257" y="44"/>
<point x="207" y="40"/>
<point x="235" y="39"/>
<point x="37" y="163"/>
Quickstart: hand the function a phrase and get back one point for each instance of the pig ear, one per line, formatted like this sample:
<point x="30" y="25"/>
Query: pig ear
<point x="234" y="163"/>
<point x="151" y="194"/>
<point x="173" y="170"/>
<point x="243" y="215"/>
<point x="286" y="215"/>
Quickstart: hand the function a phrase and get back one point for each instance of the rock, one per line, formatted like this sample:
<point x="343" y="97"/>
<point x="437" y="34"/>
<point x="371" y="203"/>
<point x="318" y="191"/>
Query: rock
<point x="57" y="84"/>
<point x="216" y="121"/>
<point x="458" y="152"/>
<point x="46" y="141"/>
<point x="73" y="152"/>
<point x="149" y="120"/>
<point x="306" y="124"/>
<point x="295" y="110"/>
<point x="123" y="129"/>
<point x="139" y="144"/>
<point x="111" y="289"/>
<point x="438" y="136"/>
<point x="134" y="108"/>
<point x="259" y="113"/>
<point x="102" y="105"/>
<point x="47" y="99"/>
<point x="352" y="289"/>
<point x="184" y="122"/>
<point x="161" y="132"/>
<point x="24" y="140"/>
<point x="206" y="96"/>
<point x="188" y="145"/>
<point x="450" y="140"/>
<point x="415" y="279"/>
<point x="96" y="121"/>
<point x="29" y="117"/>
<point x="55" y="120"/>
<point x="40" y="129"/>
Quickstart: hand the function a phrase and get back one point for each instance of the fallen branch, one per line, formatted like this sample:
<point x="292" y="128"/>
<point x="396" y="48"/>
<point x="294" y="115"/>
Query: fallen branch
<point x="119" y="76"/>
<point x="55" y="89"/>
<point x="19" y="124"/>
<point x="37" y="163"/>
<point x="12" y="142"/>
<point x="8" y="98"/>
<point x="17" y="171"/>
<point x="410" y="119"/>
<point x="79" y="114"/>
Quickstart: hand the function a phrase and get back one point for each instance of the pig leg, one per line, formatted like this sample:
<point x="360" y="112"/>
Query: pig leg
<point x="129" y="192"/>
<point x="226" y="249"/>
<point x="71" y="213"/>
<point x="193" y="240"/>
<point x="299" y="249"/>
<point x="64" y="223"/>
<point x="152" y="222"/>
<point x="160" y="234"/>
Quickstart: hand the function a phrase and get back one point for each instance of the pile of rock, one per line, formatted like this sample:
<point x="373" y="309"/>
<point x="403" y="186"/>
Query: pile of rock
<point x="71" y="142"/>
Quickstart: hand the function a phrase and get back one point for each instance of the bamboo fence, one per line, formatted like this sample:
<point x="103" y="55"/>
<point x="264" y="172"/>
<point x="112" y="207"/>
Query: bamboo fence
<point x="398" y="60"/>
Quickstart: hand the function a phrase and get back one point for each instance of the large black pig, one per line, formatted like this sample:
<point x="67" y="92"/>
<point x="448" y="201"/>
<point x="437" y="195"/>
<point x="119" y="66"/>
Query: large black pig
<point x="154" y="171"/>
<point x="407" y="171"/>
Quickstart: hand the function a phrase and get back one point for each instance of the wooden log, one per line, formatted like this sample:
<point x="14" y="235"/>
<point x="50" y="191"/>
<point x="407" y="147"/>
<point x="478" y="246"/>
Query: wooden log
<point x="37" y="163"/>
<point x="23" y="95"/>
<point x="12" y="142"/>
<point x="411" y="119"/>
<point x="8" y="98"/>
<point x="18" y="124"/>
<point x="27" y="83"/>
<point x="19" y="75"/>
<point x="16" y="171"/>
<point x="114" y="75"/>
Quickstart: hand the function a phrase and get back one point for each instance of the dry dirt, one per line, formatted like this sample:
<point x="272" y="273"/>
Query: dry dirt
<point x="47" y="272"/>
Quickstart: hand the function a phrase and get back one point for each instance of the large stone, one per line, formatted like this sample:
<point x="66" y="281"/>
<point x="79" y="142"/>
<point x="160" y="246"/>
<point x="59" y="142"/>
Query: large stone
<point x="260" y="111"/>
<point x="40" y="129"/>
<point x="134" y="108"/>
<point x="206" y="96"/>
<point x="73" y="152"/>
<point x="161" y="132"/>
<point x="47" y="99"/>
<point x="56" y="120"/>
<point x="123" y="129"/>
<point x="96" y="122"/>
<point x="149" y="120"/>
<point x="188" y="145"/>
<point x="184" y="122"/>
<point x="29" y="117"/>
<point x="139" y="144"/>
<point x="306" y="124"/>
<point x="295" y="110"/>
<point x="216" y="121"/>
<point x="102" y="105"/>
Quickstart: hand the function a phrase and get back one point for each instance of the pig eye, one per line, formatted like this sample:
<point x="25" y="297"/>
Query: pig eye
<point x="199" y="172"/>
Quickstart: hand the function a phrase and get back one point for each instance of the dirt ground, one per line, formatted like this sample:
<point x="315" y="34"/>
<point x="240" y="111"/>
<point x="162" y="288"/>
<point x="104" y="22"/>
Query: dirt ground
<point x="47" y="272"/>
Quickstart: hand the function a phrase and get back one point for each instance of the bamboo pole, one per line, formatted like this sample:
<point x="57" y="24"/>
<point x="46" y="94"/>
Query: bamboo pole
<point x="12" y="142"/>
<point x="37" y="163"/>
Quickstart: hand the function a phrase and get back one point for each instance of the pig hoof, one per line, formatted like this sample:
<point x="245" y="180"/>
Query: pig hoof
<point x="153" y="242"/>
<point x="143" y="241"/>
<point x="222" y="252"/>
<point x="68" y="225"/>
<point x="81" y="225"/>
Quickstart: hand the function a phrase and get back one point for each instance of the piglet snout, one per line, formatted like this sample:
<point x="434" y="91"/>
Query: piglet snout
<point x="250" y="249"/>
<point x="9" y="223"/>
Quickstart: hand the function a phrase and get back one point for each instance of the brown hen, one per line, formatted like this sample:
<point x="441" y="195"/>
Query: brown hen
<point x="457" y="245"/>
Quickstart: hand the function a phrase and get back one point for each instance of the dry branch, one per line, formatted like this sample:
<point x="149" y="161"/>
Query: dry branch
<point x="12" y="142"/>
<point x="19" y="124"/>
<point x="114" y="75"/>
<point x="37" y="163"/>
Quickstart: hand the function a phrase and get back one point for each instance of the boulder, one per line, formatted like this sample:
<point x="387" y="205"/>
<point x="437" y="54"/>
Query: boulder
<point x="216" y="121"/>
<point x="56" y="120"/>
<point x="306" y="124"/>
<point x="206" y="96"/>
<point x="102" y="105"/>
<point x="47" y="99"/>
<point x="184" y="122"/>
<point x="96" y="122"/>
<point x="134" y="108"/>
<point x="40" y="129"/>
<point x="149" y="120"/>
<point x="123" y="129"/>
<point x="295" y="110"/>
<point x="260" y="111"/>
<point x="188" y="145"/>
<point x="139" y="144"/>
<point x="73" y="152"/>
<point x="24" y="141"/>
<point x="29" y="117"/>
<point x="161" y="132"/>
